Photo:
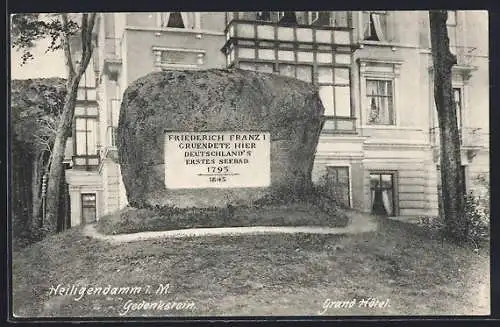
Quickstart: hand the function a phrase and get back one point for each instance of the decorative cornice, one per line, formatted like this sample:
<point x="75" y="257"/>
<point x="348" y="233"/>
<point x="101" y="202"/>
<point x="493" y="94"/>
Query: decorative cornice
<point x="365" y="61"/>
<point x="464" y="71"/>
<point x="392" y="145"/>
<point x="175" y="30"/>
<point x="157" y="50"/>
<point x="79" y="178"/>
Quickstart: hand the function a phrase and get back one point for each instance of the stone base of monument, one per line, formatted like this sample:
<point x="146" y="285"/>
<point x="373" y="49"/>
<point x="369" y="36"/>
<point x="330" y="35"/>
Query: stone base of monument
<point x="134" y="220"/>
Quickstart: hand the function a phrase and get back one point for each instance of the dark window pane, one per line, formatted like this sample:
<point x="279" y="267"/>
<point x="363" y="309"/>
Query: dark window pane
<point x="175" y="20"/>
<point x="264" y="15"/>
<point x="321" y="18"/>
<point x="88" y="215"/>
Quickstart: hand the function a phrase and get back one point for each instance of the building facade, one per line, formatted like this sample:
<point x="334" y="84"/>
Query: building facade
<point x="380" y="142"/>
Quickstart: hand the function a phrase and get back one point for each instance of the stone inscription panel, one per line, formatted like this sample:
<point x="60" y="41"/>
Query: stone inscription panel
<point x="217" y="160"/>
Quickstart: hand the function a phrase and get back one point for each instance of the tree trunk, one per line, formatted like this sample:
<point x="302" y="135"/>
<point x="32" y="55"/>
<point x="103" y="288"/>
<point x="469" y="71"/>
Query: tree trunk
<point x="56" y="163"/>
<point x="36" y="191"/>
<point x="64" y="128"/>
<point x="452" y="179"/>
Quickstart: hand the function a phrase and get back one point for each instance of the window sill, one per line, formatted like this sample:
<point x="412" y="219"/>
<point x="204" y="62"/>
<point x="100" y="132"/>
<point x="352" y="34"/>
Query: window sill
<point x="381" y="126"/>
<point x="385" y="44"/>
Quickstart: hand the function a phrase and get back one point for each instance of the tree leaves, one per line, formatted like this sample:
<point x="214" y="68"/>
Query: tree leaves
<point x="36" y="106"/>
<point x="27" y="29"/>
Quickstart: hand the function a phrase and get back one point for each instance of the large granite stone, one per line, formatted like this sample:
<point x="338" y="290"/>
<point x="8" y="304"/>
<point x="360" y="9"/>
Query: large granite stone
<point x="216" y="100"/>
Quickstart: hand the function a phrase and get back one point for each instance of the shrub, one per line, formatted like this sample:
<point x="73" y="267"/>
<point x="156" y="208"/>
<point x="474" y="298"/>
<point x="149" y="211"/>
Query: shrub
<point x="26" y="237"/>
<point x="477" y="214"/>
<point x="281" y="196"/>
<point x="478" y="219"/>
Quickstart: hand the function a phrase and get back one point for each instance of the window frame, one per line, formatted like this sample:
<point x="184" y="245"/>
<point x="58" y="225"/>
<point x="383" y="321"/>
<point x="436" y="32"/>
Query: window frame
<point x="259" y="14"/>
<point x="395" y="188"/>
<point x="363" y="36"/>
<point x="349" y="174"/>
<point x="367" y="71"/>
<point x="312" y="20"/>
<point x="366" y="97"/>
<point x="334" y="85"/>
<point x="83" y="206"/>
<point x="86" y="132"/>
<point x="82" y="112"/>
<point x="190" y="20"/>
<point x="460" y="111"/>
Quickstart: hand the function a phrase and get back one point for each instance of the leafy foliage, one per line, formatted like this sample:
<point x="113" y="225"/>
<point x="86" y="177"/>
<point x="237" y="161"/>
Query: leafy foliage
<point x="27" y="29"/>
<point x="36" y="105"/>
<point x="477" y="214"/>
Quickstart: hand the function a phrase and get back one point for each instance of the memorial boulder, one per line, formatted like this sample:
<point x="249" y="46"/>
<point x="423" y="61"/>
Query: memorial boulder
<point x="216" y="137"/>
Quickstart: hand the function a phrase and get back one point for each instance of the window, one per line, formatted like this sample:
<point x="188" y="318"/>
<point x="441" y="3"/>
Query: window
<point x="338" y="183"/>
<point x="382" y="194"/>
<point x="301" y="72"/>
<point x="189" y="20"/>
<point x="85" y="140"/>
<point x="175" y="20"/>
<point x="379" y="94"/>
<point x="264" y="16"/>
<point x="328" y="18"/>
<point x="88" y="208"/>
<point x="457" y="98"/>
<point x="374" y="25"/>
<point x="334" y="91"/>
<point x="86" y="136"/>
<point x="287" y="18"/>
<point x="111" y="135"/>
<point x="335" y="94"/>
<point x="320" y="18"/>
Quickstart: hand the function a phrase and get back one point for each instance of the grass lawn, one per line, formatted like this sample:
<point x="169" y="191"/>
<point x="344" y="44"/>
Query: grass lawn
<point x="256" y="275"/>
<point x="131" y="220"/>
